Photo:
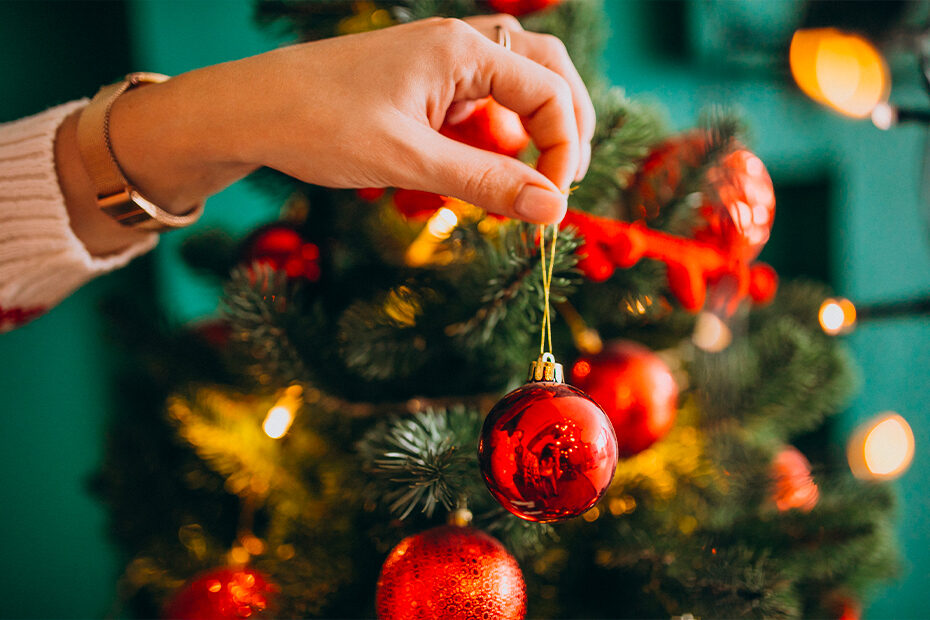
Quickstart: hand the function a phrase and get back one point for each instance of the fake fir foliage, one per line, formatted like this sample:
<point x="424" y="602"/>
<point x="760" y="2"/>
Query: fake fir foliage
<point x="387" y="371"/>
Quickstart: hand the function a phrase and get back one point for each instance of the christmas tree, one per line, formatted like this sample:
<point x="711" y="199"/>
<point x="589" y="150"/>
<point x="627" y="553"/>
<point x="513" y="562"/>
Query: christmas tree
<point x="314" y="451"/>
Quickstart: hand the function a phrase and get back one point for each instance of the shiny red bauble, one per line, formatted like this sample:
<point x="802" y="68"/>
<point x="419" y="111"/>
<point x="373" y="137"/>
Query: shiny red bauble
<point x="635" y="388"/>
<point x="490" y="127"/>
<point x="547" y="451"/>
<point x="450" y="572"/>
<point x="521" y="7"/>
<point x="793" y="485"/>
<point x="739" y="200"/>
<point x="283" y="248"/>
<point x="223" y="593"/>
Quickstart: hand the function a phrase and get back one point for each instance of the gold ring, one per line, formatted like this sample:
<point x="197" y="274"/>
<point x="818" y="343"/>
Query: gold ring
<point x="503" y="36"/>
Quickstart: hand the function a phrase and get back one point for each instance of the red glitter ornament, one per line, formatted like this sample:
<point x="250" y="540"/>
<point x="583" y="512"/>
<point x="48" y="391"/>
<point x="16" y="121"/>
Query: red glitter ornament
<point x="547" y="451"/>
<point x="635" y="388"/>
<point x="450" y="572"/>
<point x="223" y="593"/>
<point x="521" y="7"/>
<point x="793" y="485"/>
<point x="283" y="248"/>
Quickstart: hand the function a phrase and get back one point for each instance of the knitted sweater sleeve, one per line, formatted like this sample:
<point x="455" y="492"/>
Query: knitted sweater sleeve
<point x="41" y="259"/>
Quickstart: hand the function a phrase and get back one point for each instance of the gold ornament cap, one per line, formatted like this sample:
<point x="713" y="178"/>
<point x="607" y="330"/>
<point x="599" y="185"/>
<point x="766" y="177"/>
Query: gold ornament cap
<point x="546" y="369"/>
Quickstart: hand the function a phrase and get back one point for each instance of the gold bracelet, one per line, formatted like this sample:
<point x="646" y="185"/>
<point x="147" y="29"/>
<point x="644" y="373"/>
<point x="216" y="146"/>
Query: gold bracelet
<point x="116" y="196"/>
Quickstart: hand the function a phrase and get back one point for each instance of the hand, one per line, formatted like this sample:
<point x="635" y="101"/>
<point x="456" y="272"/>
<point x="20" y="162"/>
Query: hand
<point x="363" y="111"/>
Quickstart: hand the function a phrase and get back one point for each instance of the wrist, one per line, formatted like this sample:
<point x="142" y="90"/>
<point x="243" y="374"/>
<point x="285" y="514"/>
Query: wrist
<point x="167" y="140"/>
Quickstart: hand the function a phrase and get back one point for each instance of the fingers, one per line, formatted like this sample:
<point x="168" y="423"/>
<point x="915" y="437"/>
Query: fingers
<point x="550" y="52"/>
<point x="496" y="183"/>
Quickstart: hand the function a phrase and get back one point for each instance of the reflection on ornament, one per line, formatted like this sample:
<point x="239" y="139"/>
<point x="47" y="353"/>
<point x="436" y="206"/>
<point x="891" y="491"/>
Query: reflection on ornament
<point x="840" y="70"/>
<point x="224" y="593"/>
<point x="711" y="333"/>
<point x="881" y="449"/>
<point x="837" y="316"/>
<point x="281" y="415"/>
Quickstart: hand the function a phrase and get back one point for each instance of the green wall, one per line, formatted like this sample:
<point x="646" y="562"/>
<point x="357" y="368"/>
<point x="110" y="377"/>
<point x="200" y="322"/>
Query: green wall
<point x="56" y="374"/>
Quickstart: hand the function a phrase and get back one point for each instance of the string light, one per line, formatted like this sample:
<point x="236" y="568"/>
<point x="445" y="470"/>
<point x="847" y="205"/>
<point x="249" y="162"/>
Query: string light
<point x="881" y="449"/>
<point x="279" y="418"/>
<point x="438" y="228"/>
<point x="711" y="334"/>
<point x="837" y="316"/>
<point x="840" y="70"/>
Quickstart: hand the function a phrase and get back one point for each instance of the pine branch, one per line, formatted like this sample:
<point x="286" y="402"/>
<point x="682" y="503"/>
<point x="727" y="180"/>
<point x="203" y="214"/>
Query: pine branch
<point x="423" y="461"/>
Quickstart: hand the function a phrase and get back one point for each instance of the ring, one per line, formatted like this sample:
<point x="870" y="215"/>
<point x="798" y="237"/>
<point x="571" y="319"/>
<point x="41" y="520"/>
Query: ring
<point x="503" y="36"/>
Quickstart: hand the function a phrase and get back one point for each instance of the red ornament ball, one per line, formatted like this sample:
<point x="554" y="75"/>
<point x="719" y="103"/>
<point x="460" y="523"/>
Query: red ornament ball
<point x="547" y="451"/>
<point x="490" y="127"/>
<point x="635" y="388"/>
<point x="521" y="7"/>
<point x="223" y="593"/>
<point x="414" y="204"/>
<point x="450" y="572"/>
<point x="793" y="486"/>
<point x="283" y="248"/>
<point x="739" y="200"/>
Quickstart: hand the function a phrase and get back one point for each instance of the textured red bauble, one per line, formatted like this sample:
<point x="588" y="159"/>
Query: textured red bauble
<point x="490" y="127"/>
<point x="521" y="7"/>
<point x="635" y="388"/>
<point x="547" y="451"/>
<point x="223" y="593"/>
<point x="450" y="572"/>
<point x="283" y="248"/>
<point x="793" y="485"/>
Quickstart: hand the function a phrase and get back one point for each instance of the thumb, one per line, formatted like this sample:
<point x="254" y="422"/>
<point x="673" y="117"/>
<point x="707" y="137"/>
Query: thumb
<point x="494" y="182"/>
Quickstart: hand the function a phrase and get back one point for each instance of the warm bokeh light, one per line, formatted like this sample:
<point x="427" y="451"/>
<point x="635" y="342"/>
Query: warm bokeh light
<point x="424" y="249"/>
<point x="881" y="449"/>
<point x="843" y="71"/>
<point x="711" y="334"/>
<point x="277" y="421"/>
<point x="837" y="316"/>
<point x="442" y="222"/>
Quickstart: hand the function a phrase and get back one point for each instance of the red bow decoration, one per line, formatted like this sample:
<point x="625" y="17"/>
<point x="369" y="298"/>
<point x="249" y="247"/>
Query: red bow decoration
<point x="693" y="266"/>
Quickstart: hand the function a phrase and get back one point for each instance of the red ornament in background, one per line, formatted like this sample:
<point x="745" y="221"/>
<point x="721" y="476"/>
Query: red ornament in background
<point x="283" y="248"/>
<point x="450" y="572"/>
<point x="490" y="127"/>
<point x="521" y="7"/>
<point x="635" y="388"/>
<point x="547" y="451"/>
<point x="11" y="318"/>
<point x="370" y="194"/>
<point x="223" y="593"/>
<point x="415" y="204"/>
<point x="793" y="485"/>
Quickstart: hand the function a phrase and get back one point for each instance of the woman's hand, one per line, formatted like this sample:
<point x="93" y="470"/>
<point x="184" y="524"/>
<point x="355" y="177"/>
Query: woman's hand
<point x="363" y="111"/>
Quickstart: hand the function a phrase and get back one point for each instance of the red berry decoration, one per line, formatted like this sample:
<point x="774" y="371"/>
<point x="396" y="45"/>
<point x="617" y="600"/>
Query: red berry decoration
<point x="450" y="572"/>
<point x="283" y="248"/>
<point x="635" y="388"/>
<point x="547" y="450"/>
<point x="490" y="127"/>
<point x="521" y="7"/>
<point x="793" y="485"/>
<point x="223" y="593"/>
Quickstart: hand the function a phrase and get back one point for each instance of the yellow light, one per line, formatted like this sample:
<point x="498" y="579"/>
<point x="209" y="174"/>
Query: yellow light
<point x="881" y="449"/>
<point x="711" y="334"/>
<point x="424" y="249"/>
<point x="442" y="222"/>
<point x="840" y="70"/>
<point x="277" y="421"/>
<point x="837" y="316"/>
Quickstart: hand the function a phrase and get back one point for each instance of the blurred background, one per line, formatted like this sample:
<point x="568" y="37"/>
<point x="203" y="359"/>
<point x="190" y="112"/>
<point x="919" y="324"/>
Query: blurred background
<point x="852" y="210"/>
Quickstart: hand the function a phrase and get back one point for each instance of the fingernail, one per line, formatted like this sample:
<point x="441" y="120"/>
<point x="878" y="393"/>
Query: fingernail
<point x="585" y="161"/>
<point x="538" y="205"/>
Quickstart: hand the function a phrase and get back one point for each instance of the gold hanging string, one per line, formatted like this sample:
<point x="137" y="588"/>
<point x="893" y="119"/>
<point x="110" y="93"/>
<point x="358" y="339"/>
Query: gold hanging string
<point x="547" y="284"/>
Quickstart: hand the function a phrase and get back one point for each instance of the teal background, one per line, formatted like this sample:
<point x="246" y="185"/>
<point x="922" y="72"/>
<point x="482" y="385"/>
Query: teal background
<point x="56" y="374"/>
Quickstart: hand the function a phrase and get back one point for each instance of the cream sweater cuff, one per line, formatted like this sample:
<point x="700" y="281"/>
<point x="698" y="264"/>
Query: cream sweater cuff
<point x="41" y="260"/>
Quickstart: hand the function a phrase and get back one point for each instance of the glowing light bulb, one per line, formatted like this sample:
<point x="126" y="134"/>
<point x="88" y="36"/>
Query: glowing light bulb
<point x="837" y="316"/>
<point x="711" y="334"/>
<point x="840" y="70"/>
<point x="425" y="248"/>
<point x="278" y="421"/>
<point x="881" y="449"/>
<point x="442" y="222"/>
